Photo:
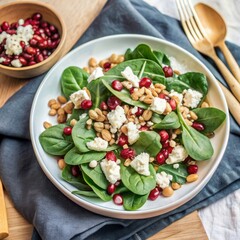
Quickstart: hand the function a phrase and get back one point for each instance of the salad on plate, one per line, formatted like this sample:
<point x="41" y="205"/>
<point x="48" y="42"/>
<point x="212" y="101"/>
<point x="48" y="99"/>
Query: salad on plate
<point x="131" y="128"/>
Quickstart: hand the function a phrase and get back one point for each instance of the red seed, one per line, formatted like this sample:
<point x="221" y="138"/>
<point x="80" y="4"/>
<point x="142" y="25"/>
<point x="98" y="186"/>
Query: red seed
<point x="7" y="61"/>
<point x="145" y="82"/>
<point x="45" y="52"/>
<point x="103" y="106"/>
<point x="111" y="189"/>
<point x="164" y="96"/>
<point x="52" y="29"/>
<point x="154" y="194"/>
<point x="55" y="36"/>
<point x="47" y="32"/>
<point x="39" y="58"/>
<point x="160" y="158"/>
<point x="22" y="60"/>
<point x="192" y="169"/>
<point x="165" y="144"/>
<point x="86" y="104"/>
<point x="165" y="153"/>
<point x="44" y="24"/>
<point x="128" y="153"/>
<point x="43" y="44"/>
<point x="33" y="42"/>
<point x="27" y="56"/>
<point x="5" y="26"/>
<point x="168" y="72"/>
<point x="31" y="63"/>
<point x="139" y="112"/>
<point x="117" y="183"/>
<point x="113" y="102"/>
<point x="144" y="128"/>
<point x="35" y="23"/>
<point x="169" y="148"/>
<point x="131" y="90"/>
<point x="14" y="25"/>
<point x="31" y="50"/>
<point x="22" y="44"/>
<point x="117" y="199"/>
<point x="163" y="135"/>
<point x="67" y="130"/>
<point x="107" y="65"/>
<point x="11" y="31"/>
<point x="75" y="171"/>
<point x="37" y="16"/>
<point x="117" y="85"/>
<point x="198" y="126"/>
<point x="123" y="139"/>
<point x="38" y="38"/>
<point x="173" y="104"/>
<point x="110" y="156"/>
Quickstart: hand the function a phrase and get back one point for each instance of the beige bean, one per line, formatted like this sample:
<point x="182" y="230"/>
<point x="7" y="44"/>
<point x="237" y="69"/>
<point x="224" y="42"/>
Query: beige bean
<point x="167" y="192"/>
<point x="192" y="178"/>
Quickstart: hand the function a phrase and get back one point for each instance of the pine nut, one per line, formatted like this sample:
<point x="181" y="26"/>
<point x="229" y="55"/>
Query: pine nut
<point x="113" y="58"/>
<point x="62" y="99"/>
<point x="47" y="125"/>
<point x="62" y="118"/>
<point x="204" y="105"/>
<point x="60" y="111"/>
<point x="51" y="102"/>
<point x="193" y="115"/>
<point x="167" y="192"/>
<point x="92" y="62"/>
<point x="192" y="178"/>
<point x="61" y="163"/>
<point x="73" y="122"/>
<point x="175" y="186"/>
<point x="52" y="112"/>
<point x="55" y="106"/>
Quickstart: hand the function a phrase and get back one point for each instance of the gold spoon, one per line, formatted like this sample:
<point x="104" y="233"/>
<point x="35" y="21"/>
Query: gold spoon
<point x="216" y="31"/>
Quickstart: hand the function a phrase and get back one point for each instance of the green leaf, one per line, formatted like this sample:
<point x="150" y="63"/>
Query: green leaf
<point x="96" y="174"/>
<point x="133" y="201"/>
<point x="210" y="117"/>
<point x="72" y="80"/>
<point x="78" y="182"/>
<point x="136" y="182"/>
<point x="170" y="121"/>
<point x="85" y="193"/>
<point x="149" y="142"/>
<point x="99" y="191"/>
<point x="76" y="114"/>
<point x="55" y="142"/>
<point x="74" y="157"/>
<point x="179" y="175"/>
<point x="162" y="58"/>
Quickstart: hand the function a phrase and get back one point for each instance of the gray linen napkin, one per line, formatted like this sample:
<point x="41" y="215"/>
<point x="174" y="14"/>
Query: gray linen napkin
<point x="53" y="215"/>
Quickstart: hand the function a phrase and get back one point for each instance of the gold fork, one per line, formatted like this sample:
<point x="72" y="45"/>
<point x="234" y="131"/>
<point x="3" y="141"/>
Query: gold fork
<point x="196" y="35"/>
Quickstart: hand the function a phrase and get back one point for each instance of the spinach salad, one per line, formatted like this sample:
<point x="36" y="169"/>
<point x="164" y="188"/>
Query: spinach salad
<point x="132" y="129"/>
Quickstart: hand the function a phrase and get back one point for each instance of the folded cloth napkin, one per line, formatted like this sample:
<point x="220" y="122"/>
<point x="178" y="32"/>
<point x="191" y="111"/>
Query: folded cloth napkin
<point x="53" y="215"/>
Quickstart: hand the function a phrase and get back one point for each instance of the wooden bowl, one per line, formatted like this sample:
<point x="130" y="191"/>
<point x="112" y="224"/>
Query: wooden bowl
<point x="16" y="10"/>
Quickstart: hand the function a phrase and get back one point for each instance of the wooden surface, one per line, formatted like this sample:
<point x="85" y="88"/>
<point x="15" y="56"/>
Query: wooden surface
<point x="189" y="227"/>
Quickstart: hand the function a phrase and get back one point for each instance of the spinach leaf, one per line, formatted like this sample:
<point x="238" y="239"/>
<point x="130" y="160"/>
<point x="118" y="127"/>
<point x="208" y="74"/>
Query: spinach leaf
<point x="125" y="96"/>
<point x="133" y="201"/>
<point x="136" y="182"/>
<point x="170" y="121"/>
<point x="74" y="157"/>
<point x="76" y="114"/>
<point x="196" y="144"/>
<point x="96" y="174"/>
<point x="54" y="141"/>
<point x="121" y="189"/>
<point x="162" y="58"/>
<point x="78" y="182"/>
<point x="149" y="142"/>
<point x="156" y="118"/>
<point x="85" y="193"/>
<point x="102" y="194"/>
<point x="210" y="117"/>
<point x="179" y="174"/>
<point x="72" y="80"/>
<point x="81" y="135"/>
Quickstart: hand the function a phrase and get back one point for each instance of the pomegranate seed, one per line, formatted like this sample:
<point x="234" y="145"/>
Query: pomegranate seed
<point x="54" y="44"/>
<point x="7" y="61"/>
<point x="198" y="126"/>
<point x="27" y="56"/>
<point x="139" y="112"/>
<point x="44" y="36"/>
<point x="111" y="189"/>
<point x="123" y="139"/>
<point x="39" y="58"/>
<point x="44" y="24"/>
<point x="45" y="52"/>
<point x="144" y="128"/>
<point x="106" y="69"/>
<point x="110" y="156"/>
<point x="117" y="85"/>
<point x="38" y="38"/>
<point x="86" y="104"/>
<point x="75" y="171"/>
<point x="165" y="153"/>
<point x="173" y="104"/>
<point x="37" y="16"/>
<point x="22" y="61"/>
<point x="165" y="144"/>
<point x="31" y="50"/>
<point x="55" y="36"/>
<point x="117" y="183"/>
<point x="117" y="199"/>
<point x="154" y="194"/>
<point x="168" y="72"/>
<point x="33" y="42"/>
<point x="169" y="149"/>
<point x="187" y="160"/>
<point x="53" y="29"/>
<point x="113" y="102"/>
<point x="47" y="31"/>
<point x="43" y="44"/>
<point x="163" y="135"/>
<point x="192" y="169"/>
<point x="145" y="82"/>
<point x="11" y="31"/>
<point x="128" y="153"/>
<point x="160" y="158"/>
<point x="22" y="44"/>
<point x="67" y="130"/>
<point x="131" y="90"/>
<point x="14" y="25"/>
<point x="49" y="43"/>
<point x="31" y="63"/>
<point x="45" y="57"/>
<point x="103" y="106"/>
<point x="5" y="26"/>
<point x="107" y="65"/>
<point x="35" y="23"/>
<point x="164" y="96"/>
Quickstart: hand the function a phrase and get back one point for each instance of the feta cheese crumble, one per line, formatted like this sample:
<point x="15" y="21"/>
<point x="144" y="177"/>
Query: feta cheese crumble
<point x="133" y="133"/>
<point x="2" y="59"/>
<point x="16" y="63"/>
<point x="130" y="76"/>
<point x="78" y="97"/>
<point x="116" y="118"/>
<point x="111" y="170"/>
<point x="97" y="73"/>
<point x="192" y="98"/>
<point x="158" y="105"/>
<point x="98" y="144"/>
<point x="176" y="94"/>
<point x="178" y="154"/>
<point x="93" y="164"/>
<point x="163" y="179"/>
<point x="176" y="165"/>
<point x="141" y="164"/>
<point x="134" y="110"/>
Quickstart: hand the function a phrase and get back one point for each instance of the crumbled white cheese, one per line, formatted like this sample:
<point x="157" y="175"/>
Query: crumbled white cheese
<point x="134" y="110"/>
<point x="163" y="179"/>
<point x="25" y="33"/>
<point x="20" y="22"/>
<point x="111" y="170"/>
<point x="16" y="63"/>
<point x="133" y="133"/>
<point x="116" y="118"/>
<point x="78" y="97"/>
<point x="176" y="165"/>
<point x="141" y="164"/>
<point x="82" y="115"/>
<point x="176" y="94"/>
<point x="93" y="164"/>
<point x="98" y="144"/>
<point x="130" y="76"/>
<point x="191" y="98"/>
<point x="158" y="105"/>
<point x="178" y="154"/>
<point x="150" y="123"/>
<point x="3" y="35"/>
<point x="97" y="73"/>
<point x="2" y="59"/>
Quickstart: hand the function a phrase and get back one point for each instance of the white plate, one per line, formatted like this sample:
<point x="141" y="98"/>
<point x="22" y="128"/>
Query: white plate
<point x="101" y="49"/>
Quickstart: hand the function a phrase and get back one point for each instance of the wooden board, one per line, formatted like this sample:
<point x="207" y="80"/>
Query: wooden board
<point x="78" y="15"/>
